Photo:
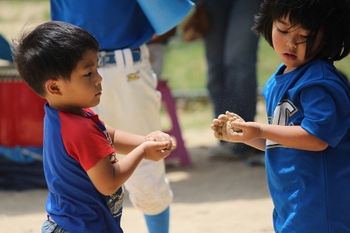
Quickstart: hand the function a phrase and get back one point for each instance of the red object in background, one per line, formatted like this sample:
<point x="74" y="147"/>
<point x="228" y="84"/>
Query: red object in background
<point x="22" y="111"/>
<point x="180" y="153"/>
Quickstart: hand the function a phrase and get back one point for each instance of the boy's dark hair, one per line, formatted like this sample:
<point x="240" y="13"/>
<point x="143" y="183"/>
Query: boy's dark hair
<point x="51" y="50"/>
<point x="332" y="17"/>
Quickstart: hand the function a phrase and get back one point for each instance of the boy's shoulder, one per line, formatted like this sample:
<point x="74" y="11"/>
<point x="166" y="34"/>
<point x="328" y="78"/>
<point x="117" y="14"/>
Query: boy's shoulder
<point x="77" y="125"/>
<point x="319" y="69"/>
<point x="72" y="124"/>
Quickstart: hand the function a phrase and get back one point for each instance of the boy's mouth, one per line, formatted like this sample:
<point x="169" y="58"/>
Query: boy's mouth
<point x="289" y="56"/>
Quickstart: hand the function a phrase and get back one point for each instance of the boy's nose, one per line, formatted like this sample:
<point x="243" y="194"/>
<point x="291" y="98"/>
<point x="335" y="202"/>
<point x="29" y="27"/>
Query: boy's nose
<point x="291" y="43"/>
<point x="98" y="79"/>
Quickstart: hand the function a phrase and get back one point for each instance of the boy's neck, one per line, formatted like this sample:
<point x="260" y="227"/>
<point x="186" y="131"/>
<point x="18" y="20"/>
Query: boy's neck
<point x="70" y="110"/>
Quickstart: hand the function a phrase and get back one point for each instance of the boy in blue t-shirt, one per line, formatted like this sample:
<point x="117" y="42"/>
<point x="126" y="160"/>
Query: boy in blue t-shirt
<point x="85" y="180"/>
<point x="307" y="140"/>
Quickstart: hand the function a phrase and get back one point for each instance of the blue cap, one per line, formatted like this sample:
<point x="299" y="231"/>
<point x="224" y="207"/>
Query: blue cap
<point x="165" y="14"/>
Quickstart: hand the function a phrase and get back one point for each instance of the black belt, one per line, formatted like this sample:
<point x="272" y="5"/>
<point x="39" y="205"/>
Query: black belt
<point x="108" y="57"/>
<point x="49" y="218"/>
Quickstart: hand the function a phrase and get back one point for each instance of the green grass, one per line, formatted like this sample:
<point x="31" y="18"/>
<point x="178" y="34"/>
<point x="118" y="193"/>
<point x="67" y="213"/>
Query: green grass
<point x="185" y="65"/>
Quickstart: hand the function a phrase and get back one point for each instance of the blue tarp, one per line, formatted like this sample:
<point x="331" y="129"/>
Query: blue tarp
<point x="5" y="49"/>
<point x="21" y="168"/>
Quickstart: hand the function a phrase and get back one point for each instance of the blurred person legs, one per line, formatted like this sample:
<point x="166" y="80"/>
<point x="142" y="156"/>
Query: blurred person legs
<point x="156" y="51"/>
<point x="231" y="54"/>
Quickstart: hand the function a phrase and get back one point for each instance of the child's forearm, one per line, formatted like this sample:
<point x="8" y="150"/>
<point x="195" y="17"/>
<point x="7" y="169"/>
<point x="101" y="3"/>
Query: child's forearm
<point x="125" y="167"/>
<point x="257" y="143"/>
<point x="292" y="136"/>
<point x="124" y="142"/>
<point x="108" y="177"/>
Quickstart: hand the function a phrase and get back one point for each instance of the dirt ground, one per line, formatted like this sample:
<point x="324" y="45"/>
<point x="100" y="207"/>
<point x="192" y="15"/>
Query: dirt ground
<point x="209" y="197"/>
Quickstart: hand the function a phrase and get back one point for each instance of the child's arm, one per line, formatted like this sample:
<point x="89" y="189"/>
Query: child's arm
<point x="289" y="136"/>
<point x="255" y="134"/>
<point x="125" y="142"/>
<point x="219" y="126"/>
<point x="108" y="177"/>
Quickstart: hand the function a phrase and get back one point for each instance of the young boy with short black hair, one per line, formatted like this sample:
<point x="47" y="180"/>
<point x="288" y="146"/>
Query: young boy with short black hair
<point x="59" y="62"/>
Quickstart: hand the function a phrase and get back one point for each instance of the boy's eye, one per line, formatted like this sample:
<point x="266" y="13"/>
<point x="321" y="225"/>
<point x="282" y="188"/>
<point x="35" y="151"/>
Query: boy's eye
<point x="282" y="31"/>
<point x="303" y="39"/>
<point x="88" y="74"/>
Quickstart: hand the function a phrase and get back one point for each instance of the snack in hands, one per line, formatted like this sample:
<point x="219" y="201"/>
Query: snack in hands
<point x="173" y="143"/>
<point x="235" y="129"/>
<point x="231" y="118"/>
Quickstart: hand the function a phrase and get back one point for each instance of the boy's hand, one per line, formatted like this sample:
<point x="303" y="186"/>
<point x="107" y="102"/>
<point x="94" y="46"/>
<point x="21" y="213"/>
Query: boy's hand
<point x="222" y="126"/>
<point x="232" y="128"/>
<point x="234" y="117"/>
<point x="158" y="136"/>
<point x="248" y="131"/>
<point x="156" y="151"/>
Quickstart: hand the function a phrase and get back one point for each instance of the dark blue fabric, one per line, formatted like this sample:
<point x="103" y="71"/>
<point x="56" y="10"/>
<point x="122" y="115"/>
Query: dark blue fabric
<point x="5" y="49"/>
<point x="23" y="155"/>
<point x="21" y="176"/>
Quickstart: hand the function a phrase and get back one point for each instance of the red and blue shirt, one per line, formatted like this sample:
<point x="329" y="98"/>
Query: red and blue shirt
<point x="72" y="145"/>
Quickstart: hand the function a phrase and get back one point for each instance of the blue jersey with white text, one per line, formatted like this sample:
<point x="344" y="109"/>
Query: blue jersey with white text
<point x="310" y="189"/>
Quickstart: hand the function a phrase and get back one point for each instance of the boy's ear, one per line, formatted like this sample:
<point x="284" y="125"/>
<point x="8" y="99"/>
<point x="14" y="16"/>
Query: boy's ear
<point x="52" y="87"/>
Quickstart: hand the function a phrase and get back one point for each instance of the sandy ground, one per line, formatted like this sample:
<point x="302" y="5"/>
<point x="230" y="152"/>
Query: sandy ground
<point x="222" y="197"/>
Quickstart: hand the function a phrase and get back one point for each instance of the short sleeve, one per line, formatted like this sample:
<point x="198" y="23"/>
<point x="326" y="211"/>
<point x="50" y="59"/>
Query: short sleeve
<point x="327" y="112"/>
<point x="84" y="140"/>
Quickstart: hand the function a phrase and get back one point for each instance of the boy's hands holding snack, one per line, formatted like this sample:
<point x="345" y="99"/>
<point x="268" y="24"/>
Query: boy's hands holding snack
<point x="222" y="126"/>
<point x="232" y="117"/>
<point x="158" y="145"/>
<point x="232" y="128"/>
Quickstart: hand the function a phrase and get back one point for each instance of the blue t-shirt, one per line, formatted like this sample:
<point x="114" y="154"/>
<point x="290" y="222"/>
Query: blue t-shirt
<point x="118" y="24"/>
<point x="72" y="145"/>
<point x="310" y="190"/>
